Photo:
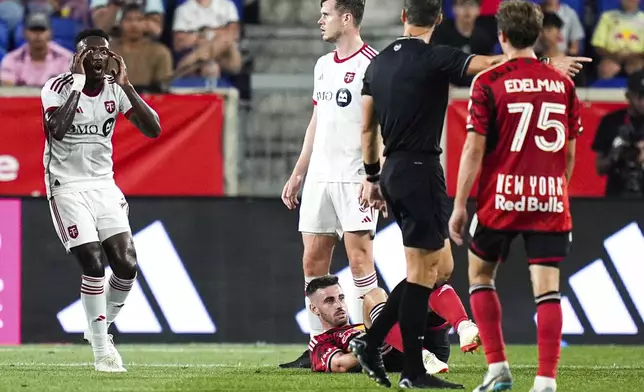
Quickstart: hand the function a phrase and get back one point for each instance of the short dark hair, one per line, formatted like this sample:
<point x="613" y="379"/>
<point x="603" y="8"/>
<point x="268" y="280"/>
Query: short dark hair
<point x="131" y="8"/>
<point x="423" y="13"/>
<point x="550" y="19"/>
<point x="521" y="21"/>
<point x="91" y="33"/>
<point x="353" y="7"/>
<point x="320" y="283"/>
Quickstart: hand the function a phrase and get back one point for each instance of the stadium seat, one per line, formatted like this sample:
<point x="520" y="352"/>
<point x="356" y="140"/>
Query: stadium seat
<point x="4" y="36"/>
<point x="577" y="5"/>
<point x="610" y="83"/>
<point x="64" y="31"/>
<point x="199" y="82"/>
<point x="19" y="35"/>
<point x="447" y="9"/>
<point x="607" y="5"/>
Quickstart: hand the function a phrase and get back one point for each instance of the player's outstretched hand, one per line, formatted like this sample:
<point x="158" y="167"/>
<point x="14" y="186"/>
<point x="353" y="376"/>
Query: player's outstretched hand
<point x="568" y="65"/>
<point x="457" y="223"/>
<point x="290" y="191"/>
<point x="120" y="74"/>
<point x="78" y="60"/>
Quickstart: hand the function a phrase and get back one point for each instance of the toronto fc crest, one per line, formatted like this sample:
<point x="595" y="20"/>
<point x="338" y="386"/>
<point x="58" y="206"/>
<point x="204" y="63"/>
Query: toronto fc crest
<point x="73" y="231"/>
<point x="349" y="76"/>
<point x="110" y="106"/>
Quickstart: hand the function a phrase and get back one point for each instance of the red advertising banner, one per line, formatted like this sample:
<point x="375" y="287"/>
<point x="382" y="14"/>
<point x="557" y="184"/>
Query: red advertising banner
<point x="585" y="181"/>
<point x="186" y="160"/>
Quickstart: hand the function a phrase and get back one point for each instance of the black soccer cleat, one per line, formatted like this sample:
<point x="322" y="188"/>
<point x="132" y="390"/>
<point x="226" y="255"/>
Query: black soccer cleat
<point x="426" y="381"/>
<point x="302" y="362"/>
<point x="371" y="361"/>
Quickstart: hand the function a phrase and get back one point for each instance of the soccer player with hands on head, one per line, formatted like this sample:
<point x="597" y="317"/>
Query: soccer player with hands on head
<point x="89" y="211"/>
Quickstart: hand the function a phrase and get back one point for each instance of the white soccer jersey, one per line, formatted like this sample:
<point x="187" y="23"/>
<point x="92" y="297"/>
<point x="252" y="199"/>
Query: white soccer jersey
<point x="83" y="159"/>
<point x="337" y="151"/>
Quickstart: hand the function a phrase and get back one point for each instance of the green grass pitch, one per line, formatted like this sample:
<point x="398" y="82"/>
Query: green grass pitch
<point x="203" y="367"/>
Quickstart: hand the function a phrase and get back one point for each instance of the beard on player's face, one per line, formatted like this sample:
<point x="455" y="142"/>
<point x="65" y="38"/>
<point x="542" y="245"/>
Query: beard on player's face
<point x="335" y="316"/>
<point x="332" y="35"/>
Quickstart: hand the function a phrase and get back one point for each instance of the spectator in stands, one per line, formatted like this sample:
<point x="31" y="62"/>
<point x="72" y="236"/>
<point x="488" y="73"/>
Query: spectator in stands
<point x="572" y="31"/>
<point x="466" y="31"/>
<point x="12" y="12"/>
<point x="619" y="40"/>
<point x="619" y="144"/>
<point x="106" y="13"/>
<point x="206" y="34"/>
<point x="549" y="41"/>
<point x="38" y="59"/>
<point x="149" y="63"/>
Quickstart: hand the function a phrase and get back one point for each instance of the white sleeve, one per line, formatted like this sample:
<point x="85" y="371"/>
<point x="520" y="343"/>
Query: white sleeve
<point x="55" y="92"/>
<point x="317" y="72"/>
<point x="182" y="20"/>
<point x="123" y="101"/>
<point x="232" y="14"/>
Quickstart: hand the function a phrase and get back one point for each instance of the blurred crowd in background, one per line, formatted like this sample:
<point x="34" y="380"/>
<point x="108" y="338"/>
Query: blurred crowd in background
<point x="186" y="43"/>
<point x="197" y="42"/>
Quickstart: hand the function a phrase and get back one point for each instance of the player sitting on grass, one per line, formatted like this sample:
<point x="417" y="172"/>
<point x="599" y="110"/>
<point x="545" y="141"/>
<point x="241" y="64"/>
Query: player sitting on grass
<point x="330" y="349"/>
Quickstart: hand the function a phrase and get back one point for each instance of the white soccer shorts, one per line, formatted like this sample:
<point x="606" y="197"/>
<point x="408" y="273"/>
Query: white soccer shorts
<point x="333" y="208"/>
<point x="89" y="216"/>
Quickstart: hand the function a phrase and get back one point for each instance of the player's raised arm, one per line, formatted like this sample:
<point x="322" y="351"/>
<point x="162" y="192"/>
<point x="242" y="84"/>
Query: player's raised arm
<point x="567" y="65"/>
<point x="60" y="112"/>
<point x="134" y="107"/>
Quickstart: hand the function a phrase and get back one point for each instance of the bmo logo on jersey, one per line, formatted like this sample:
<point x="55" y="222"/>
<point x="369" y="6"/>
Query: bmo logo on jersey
<point x="93" y="129"/>
<point x="323" y="96"/>
<point x="534" y="193"/>
<point x="343" y="97"/>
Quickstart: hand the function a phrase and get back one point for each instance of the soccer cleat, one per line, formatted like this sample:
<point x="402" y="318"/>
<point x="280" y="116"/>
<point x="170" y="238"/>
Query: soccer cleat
<point x="108" y="364"/>
<point x="87" y="335"/>
<point x="501" y="381"/>
<point x="432" y="364"/>
<point x="302" y="362"/>
<point x="468" y="333"/>
<point x="370" y="360"/>
<point x="425" y="381"/>
<point x="544" y="384"/>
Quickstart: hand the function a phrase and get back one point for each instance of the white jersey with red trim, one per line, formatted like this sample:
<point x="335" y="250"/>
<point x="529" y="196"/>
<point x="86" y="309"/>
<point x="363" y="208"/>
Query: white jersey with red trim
<point x="83" y="159"/>
<point x="337" y="152"/>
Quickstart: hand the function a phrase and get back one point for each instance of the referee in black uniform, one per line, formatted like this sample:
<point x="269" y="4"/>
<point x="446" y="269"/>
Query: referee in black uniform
<point x="405" y="90"/>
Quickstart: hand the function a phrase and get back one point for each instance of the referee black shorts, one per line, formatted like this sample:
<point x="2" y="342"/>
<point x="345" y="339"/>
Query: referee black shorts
<point x="413" y="185"/>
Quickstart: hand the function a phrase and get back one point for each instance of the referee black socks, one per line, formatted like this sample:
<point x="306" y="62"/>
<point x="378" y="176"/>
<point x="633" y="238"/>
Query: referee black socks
<point x="387" y="317"/>
<point x="413" y="318"/>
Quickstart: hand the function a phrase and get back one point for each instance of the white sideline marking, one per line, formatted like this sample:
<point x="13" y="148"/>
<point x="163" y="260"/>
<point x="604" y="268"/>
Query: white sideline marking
<point x="221" y="365"/>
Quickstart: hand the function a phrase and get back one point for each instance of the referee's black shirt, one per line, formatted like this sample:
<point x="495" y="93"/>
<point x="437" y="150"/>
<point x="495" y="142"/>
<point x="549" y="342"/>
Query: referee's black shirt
<point x="409" y="82"/>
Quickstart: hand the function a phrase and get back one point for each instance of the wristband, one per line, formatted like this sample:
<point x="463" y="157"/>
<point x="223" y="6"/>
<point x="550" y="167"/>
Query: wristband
<point x="374" y="178"/>
<point x="372" y="169"/>
<point x="545" y="60"/>
<point x="79" y="82"/>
